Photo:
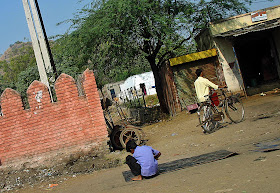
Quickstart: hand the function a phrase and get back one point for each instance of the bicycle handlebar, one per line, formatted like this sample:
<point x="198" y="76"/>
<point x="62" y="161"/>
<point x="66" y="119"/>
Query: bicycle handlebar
<point x="223" y="89"/>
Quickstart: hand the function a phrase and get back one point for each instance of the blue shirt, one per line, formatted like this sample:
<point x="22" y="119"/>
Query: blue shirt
<point x="145" y="157"/>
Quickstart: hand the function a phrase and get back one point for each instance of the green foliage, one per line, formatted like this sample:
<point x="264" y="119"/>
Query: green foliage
<point x="24" y="80"/>
<point x="20" y="71"/>
<point x="136" y="103"/>
<point x="151" y="26"/>
<point x="120" y="38"/>
<point x="4" y="84"/>
<point x="70" y="52"/>
<point x="24" y="59"/>
<point x="150" y="101"/>
<point x="113" y="37"/>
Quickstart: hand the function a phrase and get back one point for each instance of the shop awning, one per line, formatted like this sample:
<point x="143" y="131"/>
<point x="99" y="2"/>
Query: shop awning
<point x="193" y="57"/>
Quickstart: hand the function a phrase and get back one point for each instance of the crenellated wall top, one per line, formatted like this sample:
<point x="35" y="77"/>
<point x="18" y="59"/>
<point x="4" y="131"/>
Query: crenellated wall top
<point x="39" y="96"/>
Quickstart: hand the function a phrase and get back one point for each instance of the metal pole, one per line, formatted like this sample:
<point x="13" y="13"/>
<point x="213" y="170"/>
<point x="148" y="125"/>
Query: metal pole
<point x="40" y="35"/>
<point x="46" y="40"/>
<point x="36" y="47"/>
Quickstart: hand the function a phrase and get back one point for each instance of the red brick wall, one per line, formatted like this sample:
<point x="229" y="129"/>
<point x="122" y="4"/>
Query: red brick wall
<point x="169" y="90"/>
<point x="70" y="122"/>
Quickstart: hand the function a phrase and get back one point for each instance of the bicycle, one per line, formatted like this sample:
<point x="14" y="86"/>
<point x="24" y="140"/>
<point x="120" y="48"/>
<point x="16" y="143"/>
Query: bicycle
<point x="210" y="116"/>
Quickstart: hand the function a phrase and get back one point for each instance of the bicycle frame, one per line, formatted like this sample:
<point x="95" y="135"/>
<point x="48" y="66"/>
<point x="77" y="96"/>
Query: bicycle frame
<point x="214" y="113"/>
<point x="222" y="104"/>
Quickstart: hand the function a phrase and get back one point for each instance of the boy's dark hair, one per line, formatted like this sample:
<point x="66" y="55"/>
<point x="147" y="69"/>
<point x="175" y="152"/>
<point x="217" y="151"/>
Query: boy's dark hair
<point x="198" y="72"/>
<point x="130" y="145"/>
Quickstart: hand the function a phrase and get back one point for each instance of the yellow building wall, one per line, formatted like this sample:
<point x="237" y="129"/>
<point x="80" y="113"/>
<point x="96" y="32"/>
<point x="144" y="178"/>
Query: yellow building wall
<point x="241" y="21"/>
<point x="193" y="57"/>
<point x="229" y="64"/>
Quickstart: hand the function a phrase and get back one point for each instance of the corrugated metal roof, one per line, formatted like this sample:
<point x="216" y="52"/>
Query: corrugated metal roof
<point x="254" y="28"/>
<point x="193" y="57"/>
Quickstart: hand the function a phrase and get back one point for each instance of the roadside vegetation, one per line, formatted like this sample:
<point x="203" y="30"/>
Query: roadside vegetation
<point x="118" y="39"/>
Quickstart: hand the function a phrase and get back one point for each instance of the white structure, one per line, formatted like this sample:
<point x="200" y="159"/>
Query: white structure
<point x="112" y="90"/>
<point x="134" y="82"/>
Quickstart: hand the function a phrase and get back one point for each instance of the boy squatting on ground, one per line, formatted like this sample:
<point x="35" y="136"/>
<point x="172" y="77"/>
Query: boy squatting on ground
<point x="143" y="163"/>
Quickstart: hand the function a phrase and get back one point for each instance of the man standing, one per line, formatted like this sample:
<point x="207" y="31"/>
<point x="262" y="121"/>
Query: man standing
<point x="202" y="86"/>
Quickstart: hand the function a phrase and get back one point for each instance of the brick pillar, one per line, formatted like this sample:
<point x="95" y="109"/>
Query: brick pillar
<point x="94" y="104"/>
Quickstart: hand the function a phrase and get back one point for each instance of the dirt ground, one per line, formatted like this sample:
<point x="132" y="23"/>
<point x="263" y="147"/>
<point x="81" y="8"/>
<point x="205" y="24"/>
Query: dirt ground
<point x="248" y="172"/>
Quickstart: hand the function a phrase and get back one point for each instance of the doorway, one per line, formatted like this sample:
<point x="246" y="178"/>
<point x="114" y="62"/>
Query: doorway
<point x="258" y="60"/>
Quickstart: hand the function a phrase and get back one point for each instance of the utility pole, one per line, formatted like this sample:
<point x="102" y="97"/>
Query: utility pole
<point x="39" y="41"/>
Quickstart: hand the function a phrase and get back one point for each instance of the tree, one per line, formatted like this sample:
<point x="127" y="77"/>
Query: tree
<point x="109" y="66"/>
<point x="22" y="59"/>
<point x="24" y="80"/>
<point x="118" y="33"/>
<point x="4" y="84"/>
<point x="154" y="27"/>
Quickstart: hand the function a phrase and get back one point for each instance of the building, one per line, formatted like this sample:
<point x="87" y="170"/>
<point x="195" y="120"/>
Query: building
<point x="184" y="68"/>
<point x="242" y="52"/>
<point x="248" y="48"/>
<point x="135" y="85"/>
<point x="111" y="90"/>
<point x="140" y="84"/>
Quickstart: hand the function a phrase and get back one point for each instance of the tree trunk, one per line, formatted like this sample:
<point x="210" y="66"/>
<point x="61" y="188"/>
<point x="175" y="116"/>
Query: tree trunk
<point x="159" y="87"/>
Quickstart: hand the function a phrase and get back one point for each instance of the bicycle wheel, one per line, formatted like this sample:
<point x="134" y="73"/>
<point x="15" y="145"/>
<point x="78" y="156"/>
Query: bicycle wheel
<point x="234" y="109"/>
<point x="205" y="116"/>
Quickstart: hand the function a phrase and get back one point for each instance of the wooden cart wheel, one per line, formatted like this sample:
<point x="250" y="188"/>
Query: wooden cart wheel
<point x="131" y="134"/>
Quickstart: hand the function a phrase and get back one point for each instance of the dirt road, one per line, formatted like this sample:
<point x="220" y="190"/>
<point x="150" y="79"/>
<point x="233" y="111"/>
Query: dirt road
<point x="250" y="171"/>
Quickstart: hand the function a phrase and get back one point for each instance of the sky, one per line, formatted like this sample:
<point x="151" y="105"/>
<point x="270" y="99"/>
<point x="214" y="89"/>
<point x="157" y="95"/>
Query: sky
<point x="14" y="26"/>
